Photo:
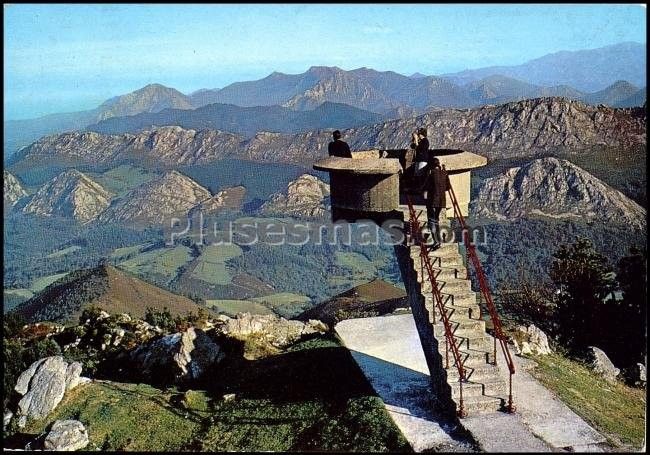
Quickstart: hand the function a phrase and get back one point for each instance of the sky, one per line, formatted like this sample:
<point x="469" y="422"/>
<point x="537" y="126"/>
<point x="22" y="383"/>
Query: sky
<point x="63" y="58"/>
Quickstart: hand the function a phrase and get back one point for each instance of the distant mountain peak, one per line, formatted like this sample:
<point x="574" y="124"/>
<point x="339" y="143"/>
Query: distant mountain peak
<point x="555" y="188"/>
<point x="70" y="194"/>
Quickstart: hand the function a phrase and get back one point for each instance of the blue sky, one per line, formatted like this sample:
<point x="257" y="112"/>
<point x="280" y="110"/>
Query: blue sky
<point x="61" y="58"/>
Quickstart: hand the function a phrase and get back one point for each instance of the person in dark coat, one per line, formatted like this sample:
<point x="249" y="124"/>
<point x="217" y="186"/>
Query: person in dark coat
<point x="338" y="147"/>
<point x="436" y="184"/>
<point x="420" y="144"/>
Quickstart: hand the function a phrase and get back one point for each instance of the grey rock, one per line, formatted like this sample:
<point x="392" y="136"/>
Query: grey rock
<point x="44" y="384"/>
<point x="530" y="340"/>
<point x="187" y="354"/>
<point x="66" y="435"/>
<point x="72" y="375"/>
<point x="279" y="332"/>
<point x="6" y="418"/>
<point x="600" y="364"/>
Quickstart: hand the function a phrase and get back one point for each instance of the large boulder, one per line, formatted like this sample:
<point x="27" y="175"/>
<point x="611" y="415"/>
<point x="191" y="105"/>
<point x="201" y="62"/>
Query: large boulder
<point x="279" y="332"/>
<point x="530" y="340"/>
<point x="600" y="364"/>
<point x="43" y="385"/>
<point x="66" y="435"/>
<point x="178" y="357"/>
<point x="639" y="374"/>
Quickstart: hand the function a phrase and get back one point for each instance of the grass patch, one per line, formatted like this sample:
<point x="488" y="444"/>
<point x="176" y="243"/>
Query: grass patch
<point x="616" y="410"/>
<point x="41" y="283"/>
<point x="64" y="251"/>
<point x="128" y="250"/>
<point x="211" y="265"/>
<point x="311" y="397"/>
<point x="134" y="417"/>
<point x="285" y="304"/>
<point x="232" y="307"/>
<point x="162" y="262"/>
<point x="122" y="179"/>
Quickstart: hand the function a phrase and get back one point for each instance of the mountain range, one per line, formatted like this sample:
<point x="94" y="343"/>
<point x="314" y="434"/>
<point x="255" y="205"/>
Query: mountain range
<point x="386" y="93"/>
<point x="586" y="70"/>
<point x="517" y="129"/>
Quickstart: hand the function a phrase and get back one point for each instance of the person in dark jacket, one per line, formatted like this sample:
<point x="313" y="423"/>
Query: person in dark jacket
<point x="420" y="144"/>
<point x="338" y="147"/>
<point x="436" y="184"/>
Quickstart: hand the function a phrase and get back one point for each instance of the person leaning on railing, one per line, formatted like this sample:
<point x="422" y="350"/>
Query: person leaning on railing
<point x="435" y="185"/>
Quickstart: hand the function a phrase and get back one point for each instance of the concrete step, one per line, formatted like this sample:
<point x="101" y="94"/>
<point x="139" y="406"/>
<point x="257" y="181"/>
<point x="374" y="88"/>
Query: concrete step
<point x="463" y="311"/>
<point x="449" y="286"/>
<point x="470" y="357"/>
<point x="482" y="404"/>
<point x="461" y="325"/>
<point x="466" y="298"/>
<point x="476" y="373"/>
<point x="477" y="341"/>
<point x="439" y="272"/>
<point x="493" y="387"/>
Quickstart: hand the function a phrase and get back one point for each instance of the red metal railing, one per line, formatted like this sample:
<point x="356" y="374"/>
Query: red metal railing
<point x="450" y="341"/>
<point x="472" y="258"/>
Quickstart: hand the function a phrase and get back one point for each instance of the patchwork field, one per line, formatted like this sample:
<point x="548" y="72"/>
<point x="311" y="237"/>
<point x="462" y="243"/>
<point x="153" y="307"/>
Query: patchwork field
<point x="210" y="266"/>
<point x="232" y="307"/>
<point x="122" y="179"/>
<point x="162" y="264"/>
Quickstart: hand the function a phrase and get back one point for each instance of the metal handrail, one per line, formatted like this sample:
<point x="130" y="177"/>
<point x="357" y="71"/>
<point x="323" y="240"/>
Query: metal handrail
<point x="487" y="296"/>
<point x="416" y="232"/>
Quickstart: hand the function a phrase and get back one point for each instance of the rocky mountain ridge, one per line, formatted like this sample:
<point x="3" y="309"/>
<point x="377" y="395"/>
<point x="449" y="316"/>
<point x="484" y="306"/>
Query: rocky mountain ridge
<point x="523" y="128"/>
<point x="555" y="188"/>
<point x="71" y="194"/>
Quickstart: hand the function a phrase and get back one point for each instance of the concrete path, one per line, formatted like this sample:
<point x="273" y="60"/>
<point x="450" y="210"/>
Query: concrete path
<point x="389" y="353"/>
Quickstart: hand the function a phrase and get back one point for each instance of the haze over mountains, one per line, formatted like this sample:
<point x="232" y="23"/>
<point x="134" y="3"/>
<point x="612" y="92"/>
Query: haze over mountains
<point x="612" y="75"/>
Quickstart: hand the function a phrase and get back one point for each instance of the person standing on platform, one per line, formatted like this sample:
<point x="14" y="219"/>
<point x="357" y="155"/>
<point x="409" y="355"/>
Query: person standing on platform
<point x="436" y="184"/>
<point x="338" y="147"/>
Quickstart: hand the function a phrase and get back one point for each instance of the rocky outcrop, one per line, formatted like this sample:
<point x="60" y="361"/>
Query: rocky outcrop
<point x="43" y="385"/>
<point x="71" y="194"/>
<point x="279" y="332"/>
<point x="555" y="188"/>
<point x="181" y="356"/>
<point x="530" y="340"/>
<point x="158" y="201"/>
<point x="66" y="435"/>
<point x="305" y="197"/>
<point x="13" y="190"/>
<point x="601" y="365"/>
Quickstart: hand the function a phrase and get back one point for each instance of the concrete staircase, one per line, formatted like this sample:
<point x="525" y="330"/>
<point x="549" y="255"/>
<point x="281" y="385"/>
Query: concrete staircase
<point x="484" y="390"/>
